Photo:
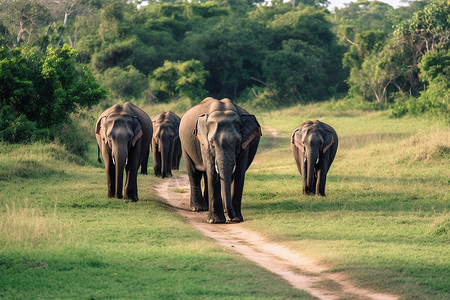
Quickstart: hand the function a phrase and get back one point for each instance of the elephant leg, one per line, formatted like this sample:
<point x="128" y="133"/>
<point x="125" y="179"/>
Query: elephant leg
<point x="111" y="178"/>
<point x="237" y="189"/>
<point x="156" y="160"/>
<point x="216" y="212"/>
<point x="131" y="192"/>
<point x="205" y="190"/>
<point x="197" y="202"/>
<point x="169" y="161"/>
<point x="304" y="175"/>
<point x="176" y="155"/>
<point x="322" y="176"/>
<point x="110" y="173"/>
<point x="144" y="163"/>
<point x="321" y="180"/>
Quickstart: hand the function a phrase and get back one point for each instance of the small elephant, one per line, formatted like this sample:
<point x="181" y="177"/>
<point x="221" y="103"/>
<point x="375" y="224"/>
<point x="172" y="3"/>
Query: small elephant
<point x="314" y="145"/>
<point x="166" y="144"/>
<point x="123" y="135"/>
<point x="219" y="141"/>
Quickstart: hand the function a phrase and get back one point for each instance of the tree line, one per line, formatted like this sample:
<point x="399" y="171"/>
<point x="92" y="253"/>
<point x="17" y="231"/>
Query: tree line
<point x="272" y="55"/>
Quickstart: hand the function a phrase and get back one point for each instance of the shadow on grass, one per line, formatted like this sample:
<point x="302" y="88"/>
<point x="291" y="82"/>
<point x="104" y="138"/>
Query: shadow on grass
<point x="365" y="194"/>
<point x="28" y="169"/>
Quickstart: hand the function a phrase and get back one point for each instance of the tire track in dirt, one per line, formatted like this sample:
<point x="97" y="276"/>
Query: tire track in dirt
<point x="301" y="272"/>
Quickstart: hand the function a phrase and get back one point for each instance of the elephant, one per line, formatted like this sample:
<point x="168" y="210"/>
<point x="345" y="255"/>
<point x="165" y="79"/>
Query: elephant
<point x="219" y="141"/>
<point x="123" y="135"/>
<point x="314" y="145"/>
<point x="166" y="145"/>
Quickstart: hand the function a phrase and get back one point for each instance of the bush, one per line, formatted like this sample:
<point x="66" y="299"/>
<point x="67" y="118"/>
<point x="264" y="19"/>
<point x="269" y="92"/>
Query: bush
<point x="15" y="130"/>
<point x="352" y="103"/>
<point x="38" y="91"/>
<point x="434" y="101"/>
<point x="70" y="135"/>
<point x="180" y="79"/>
<point x="124" y="82"/>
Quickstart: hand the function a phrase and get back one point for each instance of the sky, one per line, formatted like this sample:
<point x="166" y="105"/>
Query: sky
<point x="341" y="3"/>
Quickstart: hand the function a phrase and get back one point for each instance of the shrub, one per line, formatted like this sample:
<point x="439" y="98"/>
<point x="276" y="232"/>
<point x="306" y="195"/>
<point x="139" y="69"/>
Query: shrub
<point x="124" y="82"/>
<point x="434" y="101"/>
<point x="38" y="91"/>
<point x="178" y="79"/>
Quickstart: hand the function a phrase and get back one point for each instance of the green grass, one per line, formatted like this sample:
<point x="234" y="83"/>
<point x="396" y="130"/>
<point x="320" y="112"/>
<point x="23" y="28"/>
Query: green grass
<point x="385" y="220"/>
<point x="61" y="237"/>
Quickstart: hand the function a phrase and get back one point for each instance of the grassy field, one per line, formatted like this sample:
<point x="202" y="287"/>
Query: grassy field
<point x="385" y="220"/>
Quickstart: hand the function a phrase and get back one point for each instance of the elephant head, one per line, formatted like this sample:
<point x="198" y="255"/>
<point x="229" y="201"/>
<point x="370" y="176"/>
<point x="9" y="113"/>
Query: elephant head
<point x="313" y="140"/>
<point x="164" y="142"/>
<point x="120" y="135"/>
<point x="224" y="133"/>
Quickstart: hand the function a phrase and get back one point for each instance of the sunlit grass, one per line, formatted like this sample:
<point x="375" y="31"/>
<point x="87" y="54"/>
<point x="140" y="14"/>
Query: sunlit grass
<point x="385" y="218"/>
<point x="62" y="238"/>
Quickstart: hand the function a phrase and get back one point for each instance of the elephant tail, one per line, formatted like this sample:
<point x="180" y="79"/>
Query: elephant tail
<point x="98" y="155"/>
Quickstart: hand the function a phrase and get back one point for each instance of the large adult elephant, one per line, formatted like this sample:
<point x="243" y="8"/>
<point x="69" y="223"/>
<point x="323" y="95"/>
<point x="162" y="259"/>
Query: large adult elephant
<point x="314" y="145"/>
<point x="219" y="141"/>
<point x="123" y="135"/>
<point x="166" y="145"/>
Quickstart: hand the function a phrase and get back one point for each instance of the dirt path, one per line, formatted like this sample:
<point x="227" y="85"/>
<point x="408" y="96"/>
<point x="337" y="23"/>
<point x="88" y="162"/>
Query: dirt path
<point x="302" y="273"/>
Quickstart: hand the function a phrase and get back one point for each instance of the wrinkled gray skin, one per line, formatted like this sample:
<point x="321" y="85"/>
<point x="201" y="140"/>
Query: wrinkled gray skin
<point x="123" y="136"/>
<point x="166" y="144"/>
<point x="314" y="145"/>
<point x="219" y="141"/>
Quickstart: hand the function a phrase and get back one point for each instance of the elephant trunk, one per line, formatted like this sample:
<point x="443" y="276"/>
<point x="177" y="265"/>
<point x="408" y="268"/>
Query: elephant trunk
<point x="225" y="171"/>
<point x="120" y="159"/>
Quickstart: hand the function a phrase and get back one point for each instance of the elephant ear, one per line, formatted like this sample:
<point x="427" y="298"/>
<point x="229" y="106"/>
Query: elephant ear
<point x="137" y="129"/>
<point x="201" y="131"/>
<point x="250" y="129"/>
<point x="99" y="124"/>
<point x="328" y="140"/>
<point x="296" y="139"/>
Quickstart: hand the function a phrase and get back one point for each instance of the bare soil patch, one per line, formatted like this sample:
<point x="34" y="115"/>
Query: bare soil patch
<point x="301" y="272"/>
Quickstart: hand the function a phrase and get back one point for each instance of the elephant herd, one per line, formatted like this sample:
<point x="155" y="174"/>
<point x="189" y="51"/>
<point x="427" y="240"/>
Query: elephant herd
<point x="218" y="141"/>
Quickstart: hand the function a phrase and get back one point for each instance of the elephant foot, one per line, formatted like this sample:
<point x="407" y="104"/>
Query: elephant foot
<point x="236" y="220"/>
<point x="213" y="219"/>
<point x="198" y="208"/>
<point x="126" y="200"/>
<point x="216" y="221"/>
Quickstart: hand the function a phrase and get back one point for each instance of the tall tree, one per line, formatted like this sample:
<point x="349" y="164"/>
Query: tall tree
<point x="23" y="18"/>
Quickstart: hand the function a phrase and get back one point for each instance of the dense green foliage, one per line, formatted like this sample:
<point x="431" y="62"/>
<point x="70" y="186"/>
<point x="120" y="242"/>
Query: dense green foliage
<point x="38" y="91"/>
<point x="266" y="55"/>
<point x="385" y="65"/>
